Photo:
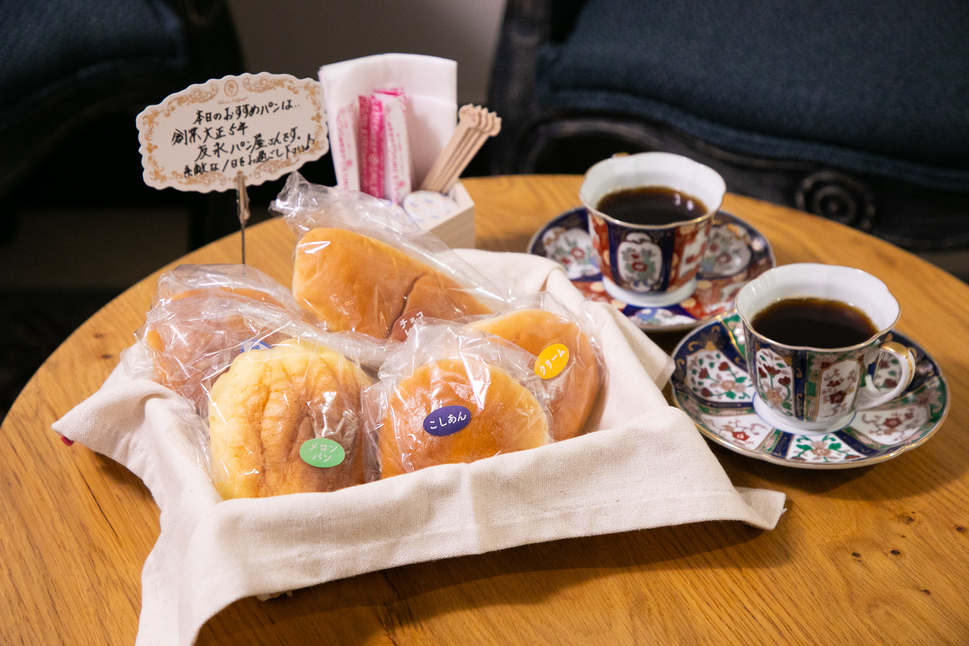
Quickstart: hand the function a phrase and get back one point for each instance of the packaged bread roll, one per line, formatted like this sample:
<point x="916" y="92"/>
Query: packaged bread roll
<point x="200" y="317"/>
<point x="565" y="355"/>
<point x="453" y="395"/>
<point x="243" y="280"/>
<point x="193" y="337"/>
<point x="287" y="419"/>
<point x="360" y="264"/>
<point x="354" y="282"/>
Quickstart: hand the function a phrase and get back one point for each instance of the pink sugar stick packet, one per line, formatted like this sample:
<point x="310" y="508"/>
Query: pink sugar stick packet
<point x="398" y="173"/>
<point x="375" y="151"/>
<point x="344" y="141"/>
<point x="363" y="143"/>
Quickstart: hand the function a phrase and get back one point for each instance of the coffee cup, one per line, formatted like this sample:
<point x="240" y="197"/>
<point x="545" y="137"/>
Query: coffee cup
<point x="814" y="336"/>
<point x="649" y="218"/>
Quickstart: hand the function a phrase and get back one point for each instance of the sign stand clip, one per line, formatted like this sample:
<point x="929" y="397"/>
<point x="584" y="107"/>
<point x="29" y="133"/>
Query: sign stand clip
<point x="243" y="202"/>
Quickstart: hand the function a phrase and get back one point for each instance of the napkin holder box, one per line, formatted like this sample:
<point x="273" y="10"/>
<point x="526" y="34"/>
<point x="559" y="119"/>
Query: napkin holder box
<point x="456" y="229"/>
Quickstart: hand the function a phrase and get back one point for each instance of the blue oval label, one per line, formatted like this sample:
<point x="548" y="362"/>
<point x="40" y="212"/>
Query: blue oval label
<point x="254" y="344"/>
<point x="447" y="420"/>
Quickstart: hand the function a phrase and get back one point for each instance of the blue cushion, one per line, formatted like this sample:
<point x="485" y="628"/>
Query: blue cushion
<point x="50" y="43"/>
<point x="881" y="87"/>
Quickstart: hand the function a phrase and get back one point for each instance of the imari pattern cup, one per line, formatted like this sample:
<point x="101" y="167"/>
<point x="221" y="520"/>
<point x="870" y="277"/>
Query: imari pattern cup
<point x="643" y="264"/>
<point x="804" y="389"/>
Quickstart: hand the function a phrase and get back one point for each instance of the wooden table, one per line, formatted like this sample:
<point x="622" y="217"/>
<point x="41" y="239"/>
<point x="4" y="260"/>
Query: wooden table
<point x="871" y="555"/>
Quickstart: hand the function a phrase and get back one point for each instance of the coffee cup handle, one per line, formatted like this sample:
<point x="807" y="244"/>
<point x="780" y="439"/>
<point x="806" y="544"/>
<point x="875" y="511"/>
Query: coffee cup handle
<point x="870" y="396"/>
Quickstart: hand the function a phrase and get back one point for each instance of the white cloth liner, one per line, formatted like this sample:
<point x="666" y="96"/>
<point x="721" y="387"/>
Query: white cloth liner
<point x="646" y="467"/>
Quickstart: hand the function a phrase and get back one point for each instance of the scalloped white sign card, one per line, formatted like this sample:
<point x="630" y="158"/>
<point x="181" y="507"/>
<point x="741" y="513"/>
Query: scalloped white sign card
<point x="260" y="125"/>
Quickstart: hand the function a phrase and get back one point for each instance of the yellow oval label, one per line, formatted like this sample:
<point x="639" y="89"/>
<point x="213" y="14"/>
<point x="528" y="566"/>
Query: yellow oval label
<point x="551" y="361"/>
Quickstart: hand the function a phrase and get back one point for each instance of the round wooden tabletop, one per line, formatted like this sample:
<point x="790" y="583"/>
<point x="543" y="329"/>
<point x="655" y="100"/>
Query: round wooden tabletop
<point x="871" y="555"/>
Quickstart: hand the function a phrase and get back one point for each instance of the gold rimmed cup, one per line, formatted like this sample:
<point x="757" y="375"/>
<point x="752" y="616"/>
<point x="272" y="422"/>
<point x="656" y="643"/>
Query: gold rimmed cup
<point x="816" y="386"/>
<point x="647" y="258"/>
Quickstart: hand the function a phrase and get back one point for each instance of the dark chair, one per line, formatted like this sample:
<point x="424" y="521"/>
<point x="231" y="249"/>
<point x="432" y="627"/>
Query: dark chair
<point x="74" y="74"/>
<point x="855" y="111"/>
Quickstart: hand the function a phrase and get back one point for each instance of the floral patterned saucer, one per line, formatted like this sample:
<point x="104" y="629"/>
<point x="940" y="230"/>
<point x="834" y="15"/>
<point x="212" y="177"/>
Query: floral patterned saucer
<point x="710" y="383"/>
<point x="737" y="254"/>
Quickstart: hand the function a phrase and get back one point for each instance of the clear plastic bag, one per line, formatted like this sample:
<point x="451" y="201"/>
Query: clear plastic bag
<point x="287" y="419"/>
<point x="188" y="280"/>
<point x="265" y="381"/>
<point x="202" y="316"/>
<point x="191" y="340"/>
<point x="565" y="354"/>
<point x="362" y="265"/>
<point x="451" y="394"/>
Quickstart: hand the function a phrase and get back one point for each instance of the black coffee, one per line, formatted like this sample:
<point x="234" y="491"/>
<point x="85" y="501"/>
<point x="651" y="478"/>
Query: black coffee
<point x="814" y="322"/>
<point x="656" y="205"/>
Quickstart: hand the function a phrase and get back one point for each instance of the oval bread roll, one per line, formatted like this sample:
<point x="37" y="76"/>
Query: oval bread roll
<point x="573" y="392"/>
<point x="245" y="292"/>
<point x="194" y="339"/>
<point x="268" y="404"/>
<point x="193" y="336"/>
<point x="505" y="416"/>
<point x="356" y="283"/>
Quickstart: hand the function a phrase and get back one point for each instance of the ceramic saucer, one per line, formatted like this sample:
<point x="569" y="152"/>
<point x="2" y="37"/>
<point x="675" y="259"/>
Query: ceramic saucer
<point x="710" y="383"/>
<point x="737" y="254"/>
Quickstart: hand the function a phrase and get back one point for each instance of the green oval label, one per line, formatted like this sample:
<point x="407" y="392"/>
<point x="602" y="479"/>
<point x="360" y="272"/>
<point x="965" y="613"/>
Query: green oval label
<point x="321" y="452"/>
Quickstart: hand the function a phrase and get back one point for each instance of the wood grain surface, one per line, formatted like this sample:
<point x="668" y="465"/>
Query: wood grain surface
<point x="873" y="555"/>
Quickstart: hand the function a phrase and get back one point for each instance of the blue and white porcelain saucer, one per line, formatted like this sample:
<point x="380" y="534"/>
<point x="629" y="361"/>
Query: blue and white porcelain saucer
<point x="737" y="253"/>
<point x="710" y="383"/>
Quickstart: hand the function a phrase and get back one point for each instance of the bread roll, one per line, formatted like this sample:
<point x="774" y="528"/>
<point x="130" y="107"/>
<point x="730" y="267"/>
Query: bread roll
<point x="354" y="282"/>
<point x="504" y="416"/>
<point x="268" y="404"/>
<point x="573" y="391"/>
<point x="243" y="280"/>
<point x="193" y="337"/>
<point x="244" y="292"/>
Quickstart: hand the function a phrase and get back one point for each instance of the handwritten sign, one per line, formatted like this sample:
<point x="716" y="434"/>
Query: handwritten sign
<point x="260" y="125"/>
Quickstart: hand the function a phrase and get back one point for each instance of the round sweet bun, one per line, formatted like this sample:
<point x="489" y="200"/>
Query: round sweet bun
<point x="268" y="404"/>
<point x="192" y="338"/>
<point x="573" y="391"/>
<point x="245" y="292"/>
<point x="356" y="283"/>
<point x="505" y="416"/>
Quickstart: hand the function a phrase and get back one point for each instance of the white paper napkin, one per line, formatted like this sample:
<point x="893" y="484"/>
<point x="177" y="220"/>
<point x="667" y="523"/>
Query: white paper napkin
<point x="647" y="467"/>
<point x="430" y="84"/>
